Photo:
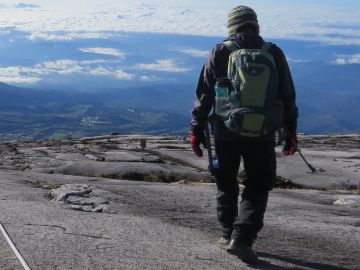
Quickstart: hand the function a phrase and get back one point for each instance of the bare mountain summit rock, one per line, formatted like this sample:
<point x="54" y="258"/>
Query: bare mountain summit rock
<point x="158" y="206"/>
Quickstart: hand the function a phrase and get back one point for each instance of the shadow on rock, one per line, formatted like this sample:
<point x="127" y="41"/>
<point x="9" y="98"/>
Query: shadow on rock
<point x="298" y="264"/>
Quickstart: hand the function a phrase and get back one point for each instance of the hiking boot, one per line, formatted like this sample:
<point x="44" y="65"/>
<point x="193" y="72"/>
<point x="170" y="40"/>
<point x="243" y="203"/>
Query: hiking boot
<point x="224" y="243"/>
<point x="242" y="251"/>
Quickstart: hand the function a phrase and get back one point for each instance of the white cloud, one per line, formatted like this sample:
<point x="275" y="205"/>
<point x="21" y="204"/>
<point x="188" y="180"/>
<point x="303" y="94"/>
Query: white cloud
<point x="195" y="52"/>
<point x="165" y="65"/>
<point x="347" y="59"/>
<point x="122" y="75"/>
<point x="147" y="78"/>
<point x="96" y="61"/>
<point x="33" y="74"/>
<point x="63" y="67"/>
<point x="69" y="36"/>
<point x="100" y="71"/>
<point x="106" y="72"/>
<point x="19" y="80"/>
<point x="104" y="51"/>
<point x="17" y="75"/>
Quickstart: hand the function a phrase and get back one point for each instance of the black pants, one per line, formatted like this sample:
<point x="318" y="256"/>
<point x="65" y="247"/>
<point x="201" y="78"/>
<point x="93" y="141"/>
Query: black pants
<point x="259" y="159"/>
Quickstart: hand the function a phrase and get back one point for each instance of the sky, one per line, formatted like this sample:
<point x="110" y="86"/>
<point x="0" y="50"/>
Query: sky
<point x="64" y="27"/>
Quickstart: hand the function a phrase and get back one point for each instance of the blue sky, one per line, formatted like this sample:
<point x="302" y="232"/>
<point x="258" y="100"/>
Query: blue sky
<point x="52" y="39"/>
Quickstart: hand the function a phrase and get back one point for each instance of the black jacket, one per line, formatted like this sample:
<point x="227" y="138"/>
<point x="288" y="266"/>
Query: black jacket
<point x="216" y="67"/>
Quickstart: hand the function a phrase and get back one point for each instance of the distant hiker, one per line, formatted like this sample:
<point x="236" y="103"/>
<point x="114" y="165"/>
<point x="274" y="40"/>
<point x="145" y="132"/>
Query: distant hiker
<point x="143" y="146"/>
<point x="247" y="83"/>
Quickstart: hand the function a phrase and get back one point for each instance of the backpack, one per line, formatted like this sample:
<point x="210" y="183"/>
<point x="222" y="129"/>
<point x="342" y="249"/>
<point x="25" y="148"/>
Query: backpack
<point x="246" y="100"/>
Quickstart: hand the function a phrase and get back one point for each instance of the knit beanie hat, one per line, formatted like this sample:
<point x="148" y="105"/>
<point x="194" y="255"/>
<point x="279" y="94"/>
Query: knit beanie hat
<point x="240" y="16"/>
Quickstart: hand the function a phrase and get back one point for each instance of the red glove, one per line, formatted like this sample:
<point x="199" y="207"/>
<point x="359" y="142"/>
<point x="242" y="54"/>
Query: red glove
<point x="291" y="145"/>
<point x="197" y="137"/>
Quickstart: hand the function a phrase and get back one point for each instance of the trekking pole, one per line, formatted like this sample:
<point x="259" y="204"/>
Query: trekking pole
<point x="313" y="170"/>
<point x="208" y="146"/>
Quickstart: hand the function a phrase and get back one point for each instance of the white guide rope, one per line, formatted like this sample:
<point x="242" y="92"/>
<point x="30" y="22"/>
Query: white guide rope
<point x="17" y="253"/>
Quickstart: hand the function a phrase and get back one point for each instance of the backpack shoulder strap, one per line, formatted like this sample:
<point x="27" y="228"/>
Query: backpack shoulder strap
<point x="231" y="45"/>
<point x="265" y="50"/>
<point x="266" y="46"/>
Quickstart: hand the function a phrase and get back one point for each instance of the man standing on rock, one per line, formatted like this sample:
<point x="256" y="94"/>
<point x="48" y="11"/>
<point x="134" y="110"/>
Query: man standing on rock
<point x="248" y="84"/>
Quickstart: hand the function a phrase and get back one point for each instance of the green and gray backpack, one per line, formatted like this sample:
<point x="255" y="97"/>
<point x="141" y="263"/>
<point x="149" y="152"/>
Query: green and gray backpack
<point x="246" y="99"/>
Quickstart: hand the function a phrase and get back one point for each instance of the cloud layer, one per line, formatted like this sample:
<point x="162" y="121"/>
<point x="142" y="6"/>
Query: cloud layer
<point x="112" y="69"/>
<point x="338" y="23"/>
<point x="34" y="74"/>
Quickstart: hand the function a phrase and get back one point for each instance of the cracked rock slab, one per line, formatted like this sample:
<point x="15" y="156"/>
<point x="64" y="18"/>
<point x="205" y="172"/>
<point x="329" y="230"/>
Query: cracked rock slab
<point x="79" y="198"/>
<point x="86" y="201"/>
<point x="349" y="201"/>
<point x="101" y="208"/>
<point x="65" y="191"/>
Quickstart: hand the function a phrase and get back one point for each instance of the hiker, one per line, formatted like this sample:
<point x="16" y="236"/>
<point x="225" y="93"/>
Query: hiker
<point x="247" y="85"/>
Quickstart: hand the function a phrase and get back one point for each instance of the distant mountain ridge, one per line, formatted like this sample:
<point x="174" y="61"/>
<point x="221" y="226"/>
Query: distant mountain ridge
<point x="33" y="114"/>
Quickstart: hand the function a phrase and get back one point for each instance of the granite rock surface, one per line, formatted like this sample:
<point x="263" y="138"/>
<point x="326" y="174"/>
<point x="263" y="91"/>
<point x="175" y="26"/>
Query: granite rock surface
<point x="106" y="203"/>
